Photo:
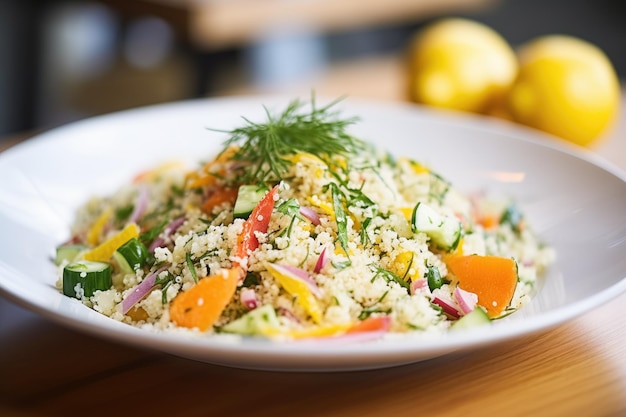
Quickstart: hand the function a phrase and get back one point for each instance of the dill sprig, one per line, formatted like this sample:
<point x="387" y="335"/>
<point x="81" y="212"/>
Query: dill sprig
<point x="264" y="148"/>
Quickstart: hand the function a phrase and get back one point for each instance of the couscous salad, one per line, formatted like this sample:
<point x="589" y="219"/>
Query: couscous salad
<point x="297" y="229"/>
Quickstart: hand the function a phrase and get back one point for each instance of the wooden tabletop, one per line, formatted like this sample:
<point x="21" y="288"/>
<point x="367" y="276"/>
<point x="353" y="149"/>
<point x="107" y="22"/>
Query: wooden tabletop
<point x="576" y="369"/>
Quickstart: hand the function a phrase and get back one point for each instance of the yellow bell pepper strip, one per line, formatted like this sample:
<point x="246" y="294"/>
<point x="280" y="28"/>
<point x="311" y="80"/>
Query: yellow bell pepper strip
<point x="377" y="324"/>
<point x="152" y="174"/>
<point x="311" y="332"/>
<point x="104" y="251"/>
<point x="94" y="233"/>
<point x="297" y="287"/>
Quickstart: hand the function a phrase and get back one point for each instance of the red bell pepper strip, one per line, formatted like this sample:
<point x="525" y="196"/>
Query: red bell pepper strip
<point x="258" y="221"/>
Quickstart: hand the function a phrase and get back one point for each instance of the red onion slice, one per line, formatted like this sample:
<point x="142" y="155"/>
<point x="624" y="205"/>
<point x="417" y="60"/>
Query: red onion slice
<point x="322" y="261"/>
<point x="310" y="214"/>
<point x="141" y="290"/>
<point x="419" y="285"/>
<point x="300" y="275"/>
<point x="284" y="312"/>
<point x="466" y="300"/>
<point x="446" y="303"/>
<point x="248" y="298"/>
<point x="141" y="203"/>
<point x="168" y="231"/>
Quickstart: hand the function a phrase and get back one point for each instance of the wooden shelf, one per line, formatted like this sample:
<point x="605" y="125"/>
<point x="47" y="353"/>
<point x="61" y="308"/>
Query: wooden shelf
<point x="218" y="24"/>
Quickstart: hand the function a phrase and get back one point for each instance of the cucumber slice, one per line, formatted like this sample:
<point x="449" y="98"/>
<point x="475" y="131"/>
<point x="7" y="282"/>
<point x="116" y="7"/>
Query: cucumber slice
<point x="68" y="253"/>
<point x="131" y="256"/>
<point x="91" y="276"/>
<point x="248" y="197"/>
<point x="476" y="317"/>
<point x="444" y="231"/>
<point x="254" y="322"/>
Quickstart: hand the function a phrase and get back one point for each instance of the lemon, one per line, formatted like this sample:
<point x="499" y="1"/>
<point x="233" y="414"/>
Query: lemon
<point x="460" y="64"/>
<point x="567" y="87"/>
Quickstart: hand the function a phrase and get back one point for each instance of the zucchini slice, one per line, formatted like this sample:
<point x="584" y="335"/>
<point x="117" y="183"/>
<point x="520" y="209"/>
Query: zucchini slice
<point x="248" y="197"/>
<point x="131" y="256"/>
<point x="91" y="275"/>
<point x="444" y="231"/>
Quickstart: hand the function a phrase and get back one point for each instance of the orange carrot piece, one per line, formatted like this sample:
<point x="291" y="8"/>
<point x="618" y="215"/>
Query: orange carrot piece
<point x="492" y="278"/>
<point x="202" y="305"/>
<point x="206" y="175"/>
<point x="195" y="180"/>
<point x="219" y="196"/>
<point x="488" y="222"/>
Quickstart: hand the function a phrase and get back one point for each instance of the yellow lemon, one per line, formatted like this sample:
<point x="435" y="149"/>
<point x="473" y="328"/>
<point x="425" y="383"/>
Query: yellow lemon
<point x="565" y="86"/>
<point x="460" y="64"/>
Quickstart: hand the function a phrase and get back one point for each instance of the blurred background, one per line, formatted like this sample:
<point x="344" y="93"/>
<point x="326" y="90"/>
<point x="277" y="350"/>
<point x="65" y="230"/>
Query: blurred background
<point x="66" y="60"/>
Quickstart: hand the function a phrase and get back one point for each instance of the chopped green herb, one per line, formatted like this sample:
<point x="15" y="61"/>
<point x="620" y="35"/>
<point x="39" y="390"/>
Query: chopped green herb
<point x="364" y="236"/>
<point x="340" y="265"/>
<point x="192" y="268"/>
<point x="251" y="279"/>
<point x="290" y="208"/>
<point x="177" y="190"/>
<point x="408" y="268"/>
<point x="366" y="312"/>
<point x="164" y="282"/>
<point x="265" y="147"/>
<point x="123" y="213"/>
<point x="148" y="236"/>
<point x="340" y="216"/>
<point x="388" y="276"/>
<point x="433" y="277"/>
<point x="512" y="216"/>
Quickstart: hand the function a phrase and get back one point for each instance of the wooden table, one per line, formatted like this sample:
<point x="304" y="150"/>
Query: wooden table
<point x="577" y="369"/>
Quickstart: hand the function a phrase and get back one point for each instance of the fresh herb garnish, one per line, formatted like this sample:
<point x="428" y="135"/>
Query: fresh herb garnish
<point x="192" y="268"/>
<point x="388" y="276"/>
<point x="366" y="312"/>
<point x="164" y="282"/>
<point x="148" y="236"/>
<point x="123" y="213"/>
<point x="340" y="217"/>
<point x="251" y="279"/>
<point x="289" y="208"/>
<point x="513" y="216"/>
<point x="433" y="277"/>
<point x="264" y="148"/>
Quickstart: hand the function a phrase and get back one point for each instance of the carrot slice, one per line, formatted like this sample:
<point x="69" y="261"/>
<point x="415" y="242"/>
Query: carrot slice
<point x="220" y="196"/>
<point x="202" y="305"/>
<point x="370" y="324"/>
<point x="206" y="175"/>
<point x="492" y="278"/>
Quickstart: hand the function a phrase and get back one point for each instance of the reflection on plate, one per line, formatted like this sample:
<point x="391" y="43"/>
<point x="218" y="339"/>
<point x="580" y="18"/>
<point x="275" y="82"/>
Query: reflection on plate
<point x="574" y="201"/>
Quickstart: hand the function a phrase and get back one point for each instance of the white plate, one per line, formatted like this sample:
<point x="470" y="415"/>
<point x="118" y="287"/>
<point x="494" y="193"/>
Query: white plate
<point x="575" y="201"/>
